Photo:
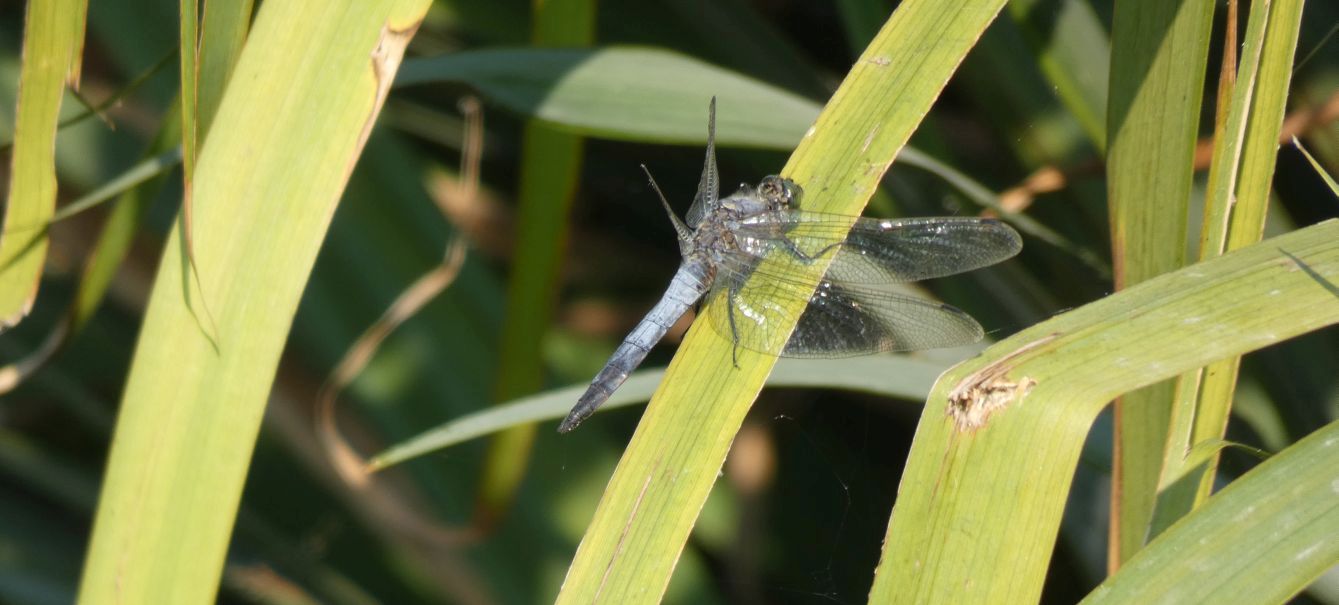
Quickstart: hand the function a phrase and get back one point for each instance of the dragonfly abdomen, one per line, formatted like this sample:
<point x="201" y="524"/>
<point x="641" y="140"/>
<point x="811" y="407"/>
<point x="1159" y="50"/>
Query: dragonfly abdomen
<point x="686" y="288"/>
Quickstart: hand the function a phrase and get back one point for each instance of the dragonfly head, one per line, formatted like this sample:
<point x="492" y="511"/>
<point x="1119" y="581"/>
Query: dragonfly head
<point x="773" y="193"/>
<point x="779" y="192"/>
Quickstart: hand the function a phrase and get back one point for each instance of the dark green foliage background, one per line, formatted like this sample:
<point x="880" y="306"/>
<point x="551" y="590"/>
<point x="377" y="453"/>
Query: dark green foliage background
<point x="813" y="531"/>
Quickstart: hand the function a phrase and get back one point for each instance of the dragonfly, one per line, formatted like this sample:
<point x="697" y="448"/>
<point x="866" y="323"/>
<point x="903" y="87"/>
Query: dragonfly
<point x="750" y="251"/>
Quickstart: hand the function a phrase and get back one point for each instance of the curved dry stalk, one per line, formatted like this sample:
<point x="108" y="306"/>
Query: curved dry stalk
<point x="13" y="374"/>
<point x="344" y="459"/>
<point x="351" y="466"/>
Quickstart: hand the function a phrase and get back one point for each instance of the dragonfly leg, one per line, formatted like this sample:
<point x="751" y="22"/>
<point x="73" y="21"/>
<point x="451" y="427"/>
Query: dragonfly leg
<point x="734" y="329"/>
<point x="800" y="254"/>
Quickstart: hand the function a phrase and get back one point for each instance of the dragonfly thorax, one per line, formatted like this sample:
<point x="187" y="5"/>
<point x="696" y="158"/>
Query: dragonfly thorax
<point x="713" y="235"/>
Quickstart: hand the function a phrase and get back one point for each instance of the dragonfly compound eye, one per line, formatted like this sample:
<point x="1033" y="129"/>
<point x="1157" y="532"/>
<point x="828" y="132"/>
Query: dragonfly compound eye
<point x="779" y="191"/>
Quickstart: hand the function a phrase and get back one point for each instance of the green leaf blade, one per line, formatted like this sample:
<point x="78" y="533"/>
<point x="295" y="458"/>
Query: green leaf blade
<point x="977" y="516"/>
<point x="1159" y="56"/>
<point x="588" y="92"/>
<point x="265" y="188"/>
<point x="53" y="40"/>
<point x="890" y="376"/>
<point x="1261" y="540"/>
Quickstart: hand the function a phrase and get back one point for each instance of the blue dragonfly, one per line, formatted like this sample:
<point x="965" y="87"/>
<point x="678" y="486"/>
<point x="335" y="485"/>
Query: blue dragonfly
<point x="755" y="247"/>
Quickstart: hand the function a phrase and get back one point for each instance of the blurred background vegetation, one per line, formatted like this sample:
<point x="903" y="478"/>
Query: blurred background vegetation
<point x="799" y="515"/>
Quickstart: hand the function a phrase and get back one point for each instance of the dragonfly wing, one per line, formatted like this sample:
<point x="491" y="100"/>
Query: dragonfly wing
<point x="744" y="310"/>
<point x="877" y="251"/>
<point x="845" y="320"/>
<point x="840" y="319"/>
<point x="708" y="187"/>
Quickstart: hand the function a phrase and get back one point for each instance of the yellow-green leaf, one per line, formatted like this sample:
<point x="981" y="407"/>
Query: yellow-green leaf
<point x="1240" y="177"/>
<point x="1261" y="540"/>
<point x="1159" y="53"/>
<point x="977" y="515"/>
<point x="53" y="40"/>
<point x="312" y="79"/>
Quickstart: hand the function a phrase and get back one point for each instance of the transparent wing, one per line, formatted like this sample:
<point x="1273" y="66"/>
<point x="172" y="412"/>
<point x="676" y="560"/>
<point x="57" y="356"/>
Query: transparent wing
<point x="840" y="320"/>
<point x="876" y="251"/>
<point x="708" y="187"/>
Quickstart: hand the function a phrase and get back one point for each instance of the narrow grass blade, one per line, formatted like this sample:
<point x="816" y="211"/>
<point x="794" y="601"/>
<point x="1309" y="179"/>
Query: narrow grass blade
<point x="1229" y="148"/>
<point x="223" y="30"/>
<point x="188" y="45"/>
<point x="208" y="51"/>
<point x="1159" y="53"/>
<point x="899" y="377"/>
<point x="1175" y="490"/>
<point x="658" y="489"/>
<point x="1320" y="170"/>
<point x="149" y="168"/>
<point x="53" y="41"/>
<point x="1238" y="199"/>
<point x="191" y="133"/>
<point x="977" y="515"/>
<point x="1261" y="540"/>
<point x="281" y="149"/>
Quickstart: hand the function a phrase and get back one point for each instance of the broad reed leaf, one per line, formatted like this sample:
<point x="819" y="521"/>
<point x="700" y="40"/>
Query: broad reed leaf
<point x="989" y="473"/>
<point x="280" y="152"/>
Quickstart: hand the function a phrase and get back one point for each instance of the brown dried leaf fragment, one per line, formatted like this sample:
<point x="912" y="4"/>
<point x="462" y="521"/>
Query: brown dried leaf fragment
<point x="971" y="403"/>
<point x="990" y="389"/>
